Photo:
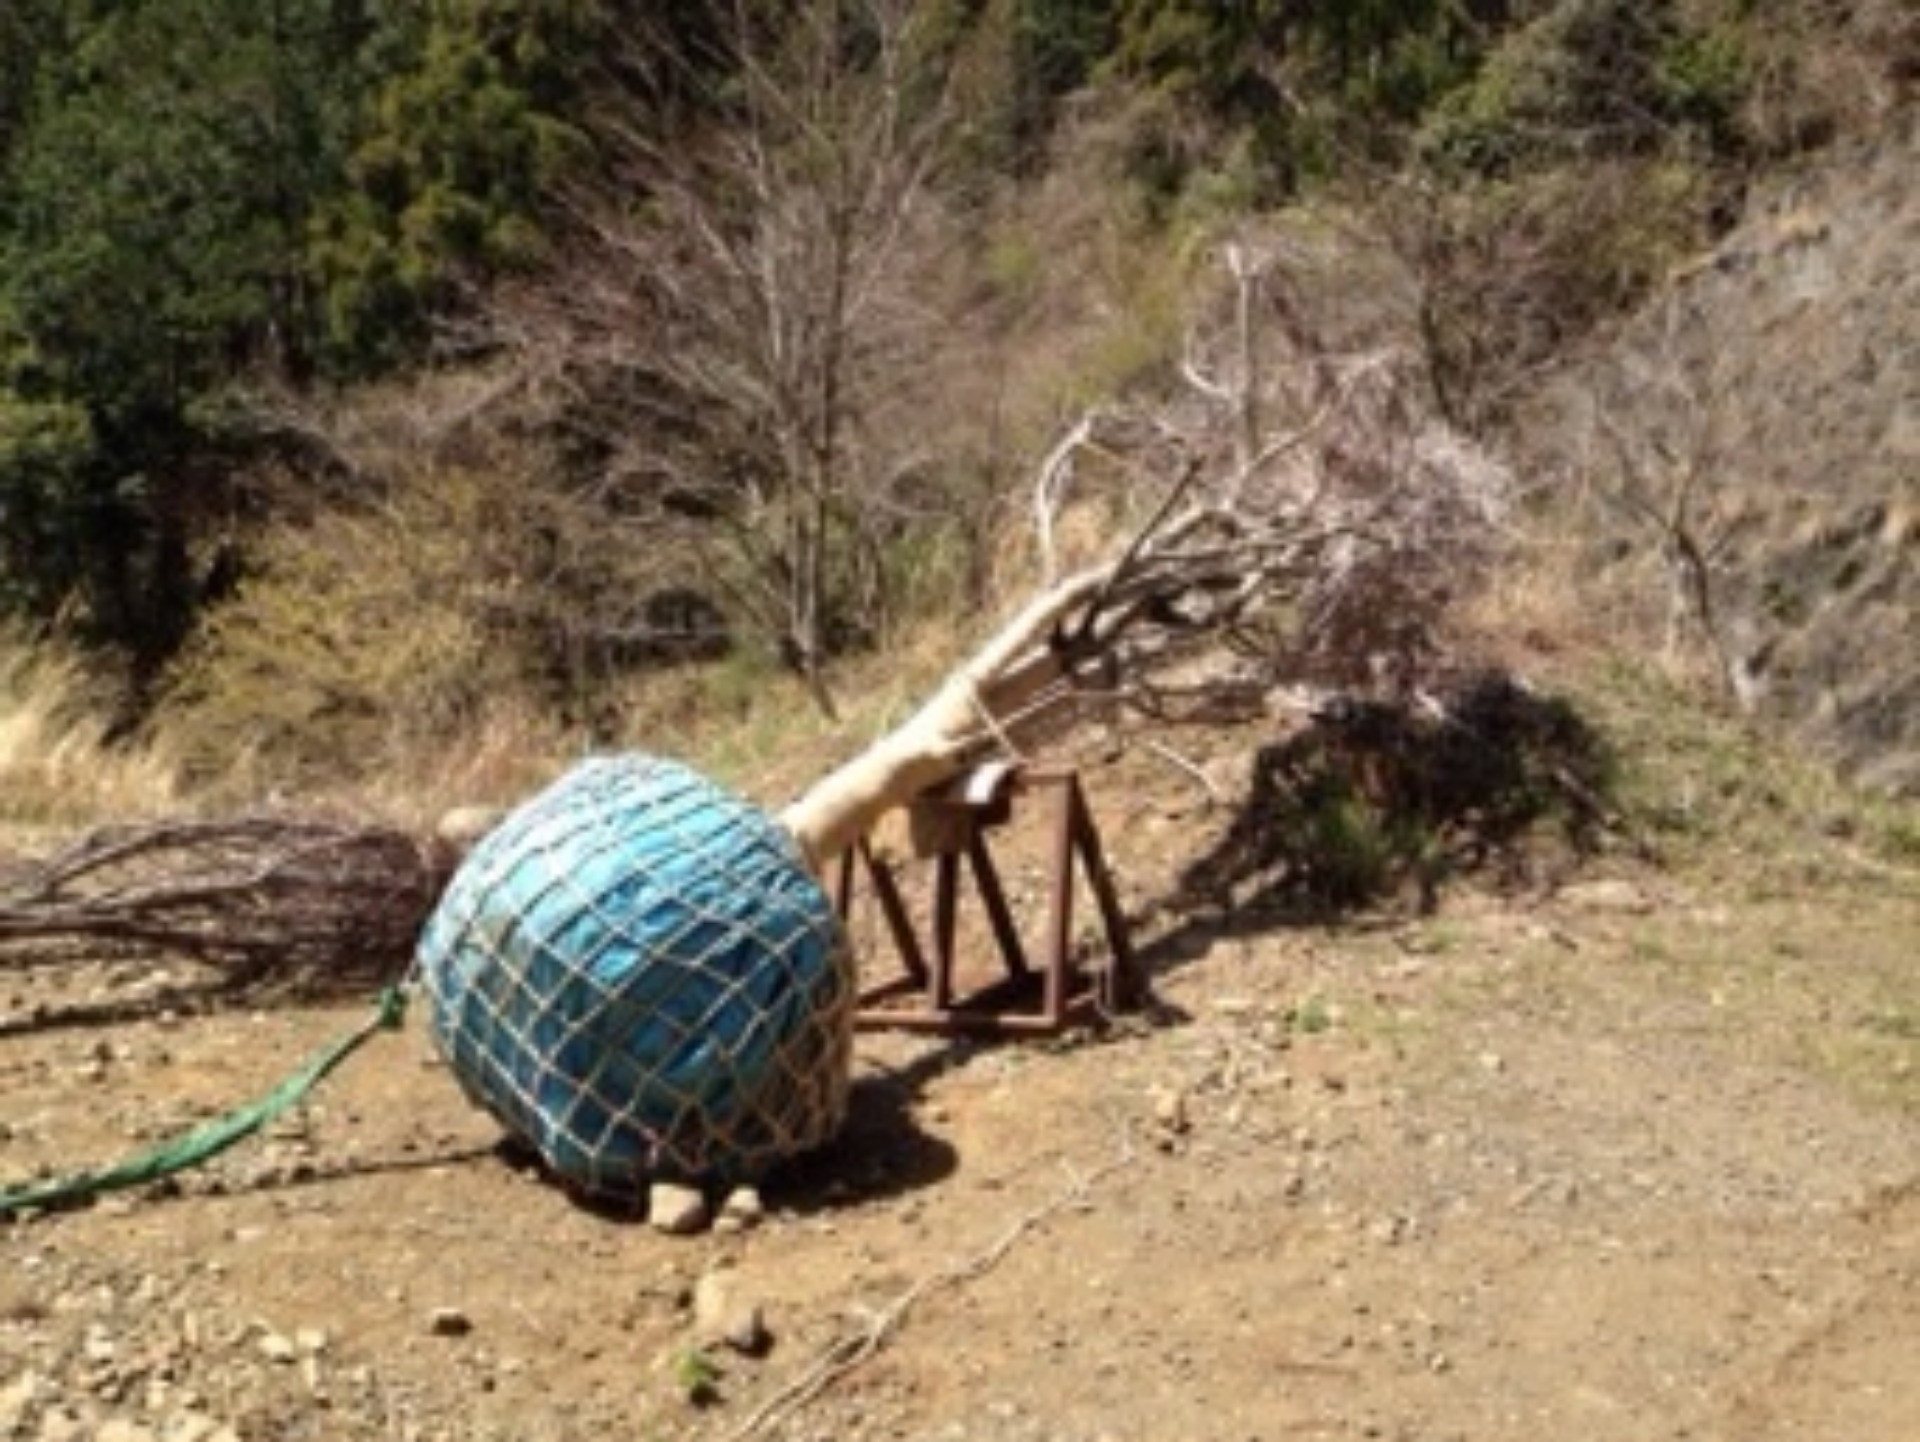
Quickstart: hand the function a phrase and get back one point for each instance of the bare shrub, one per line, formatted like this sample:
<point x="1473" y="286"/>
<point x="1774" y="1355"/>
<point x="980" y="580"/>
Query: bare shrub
<point x="739" y="309"/>
<point x="372" y="634"/>
<point x="1822" y="69"/>
<point x="1514" y="272"/>
<point x="1295" y="407"/>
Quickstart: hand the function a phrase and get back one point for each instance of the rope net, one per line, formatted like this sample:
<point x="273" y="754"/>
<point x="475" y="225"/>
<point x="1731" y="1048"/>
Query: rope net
<point x="636" y="974"/>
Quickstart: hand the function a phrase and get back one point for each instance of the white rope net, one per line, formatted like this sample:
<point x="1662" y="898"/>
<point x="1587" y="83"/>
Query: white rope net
<point x="636" y="974"/>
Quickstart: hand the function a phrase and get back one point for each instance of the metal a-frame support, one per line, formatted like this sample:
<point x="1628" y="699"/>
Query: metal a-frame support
<point x="950" y="828"/>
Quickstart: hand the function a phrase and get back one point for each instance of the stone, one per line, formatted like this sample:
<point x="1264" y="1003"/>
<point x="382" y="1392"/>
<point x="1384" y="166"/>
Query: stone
<point x="676" y="1210"/>
<point x="16" y="1400"/>
<point x="712" y="1297"/>
<point x="61" y="1425"/>
<point x="278" y="1349"/>
<point x="1607" y="894"/>
<point x="1170" y="1110"/>
<point x="746" y="1331"/>
<point x="722" y="1316"/>
<point x="742" y="1209"/>
<point x="449" y="1322"/>
<point x="462" y="828"/>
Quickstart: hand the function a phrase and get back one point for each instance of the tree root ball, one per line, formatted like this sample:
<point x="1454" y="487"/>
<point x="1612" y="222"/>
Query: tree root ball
<point x="637" y="975"/>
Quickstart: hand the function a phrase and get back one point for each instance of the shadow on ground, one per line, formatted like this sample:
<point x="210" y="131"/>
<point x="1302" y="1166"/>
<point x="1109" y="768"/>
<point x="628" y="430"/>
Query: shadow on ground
<point x="1375" y="807"/>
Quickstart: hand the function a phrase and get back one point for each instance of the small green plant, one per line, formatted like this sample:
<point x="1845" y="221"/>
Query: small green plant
<point x="1898" y="836"/>
<point x="697" y="1376"/>
<point x="1311" y="1017"/>
<point x="1899" y="1023"/>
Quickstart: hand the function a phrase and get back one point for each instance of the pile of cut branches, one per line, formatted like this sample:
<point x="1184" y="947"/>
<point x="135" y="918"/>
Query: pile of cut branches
<point x="270" y="903"/>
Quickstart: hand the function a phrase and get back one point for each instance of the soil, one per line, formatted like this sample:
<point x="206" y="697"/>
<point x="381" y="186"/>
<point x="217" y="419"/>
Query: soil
<point x="1632" y="1154"/>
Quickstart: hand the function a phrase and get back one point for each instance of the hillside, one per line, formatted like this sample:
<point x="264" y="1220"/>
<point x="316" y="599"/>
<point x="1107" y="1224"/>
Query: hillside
<point x="1764" y="409"/>
<point x="364" y="374"/>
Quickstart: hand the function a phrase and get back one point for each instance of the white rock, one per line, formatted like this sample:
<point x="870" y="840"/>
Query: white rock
<point x="276" y="1348"/>
<point x="722" y="1316"/>
<point x="463" y="827"/>
<point x="743" y="1208"/>
<point x="676" y="1210"/>
<point x="1170" y="1110"/>
<point x="16" y="1398"/>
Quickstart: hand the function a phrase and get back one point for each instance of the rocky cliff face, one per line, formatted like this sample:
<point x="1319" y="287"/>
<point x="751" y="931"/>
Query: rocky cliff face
<point x="1752" y="441"/>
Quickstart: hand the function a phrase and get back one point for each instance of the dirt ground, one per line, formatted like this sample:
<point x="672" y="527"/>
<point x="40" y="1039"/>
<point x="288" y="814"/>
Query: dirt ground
<point x="1636" y="1159"/>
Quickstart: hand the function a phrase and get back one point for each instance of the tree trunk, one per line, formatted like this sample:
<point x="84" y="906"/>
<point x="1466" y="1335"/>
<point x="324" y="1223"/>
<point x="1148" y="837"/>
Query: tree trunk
<point x="981" y="701"/>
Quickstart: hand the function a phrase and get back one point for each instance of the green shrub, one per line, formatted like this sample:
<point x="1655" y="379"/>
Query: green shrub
<point x="1375" y="797"/>
<point x="370" y="635"/>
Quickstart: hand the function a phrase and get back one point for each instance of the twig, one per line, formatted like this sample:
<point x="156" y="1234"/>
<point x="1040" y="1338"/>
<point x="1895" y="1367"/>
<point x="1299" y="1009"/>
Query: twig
<point x="1124" y="566"/>
<point x="846" y="1354"/>
<point x="1179" y="762"/>
<point x="261" y="897"/>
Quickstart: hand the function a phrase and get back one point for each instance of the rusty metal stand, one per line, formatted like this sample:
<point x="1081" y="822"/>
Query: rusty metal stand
<point x="950" y="825"/>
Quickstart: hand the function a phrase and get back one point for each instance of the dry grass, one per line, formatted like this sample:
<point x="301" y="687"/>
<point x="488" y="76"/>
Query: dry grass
<point x="57" y="768"/>
<point x="1544" y="613"/>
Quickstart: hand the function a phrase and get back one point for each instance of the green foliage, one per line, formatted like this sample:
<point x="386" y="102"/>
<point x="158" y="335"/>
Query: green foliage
<point x="1376" y="796"/>
<point x="361" y="636"/>
<point x="149" y="254"/>
<point x="1311" y="1017"/>
<point x="1297" y="90"/>
<point x="198" y="191"/>
<point x="196" y="195"/>
<point x="1703" y="78"/>
<point x="157" y="195"/>
<point x="27" y="31"/>
<point x="1592" y="152"/>
<point x="45" y="448"/>
<point x="697" y="1376"/>
<point x="1515" y="270"/>
<point x="1041" y="52"/>
<point x="1614" y="77"/>
<point x="445" y="181"/>
<point x="1703" y="785"/>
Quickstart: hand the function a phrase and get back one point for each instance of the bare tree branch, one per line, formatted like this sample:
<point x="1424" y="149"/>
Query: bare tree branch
<point x="266" y="900"/>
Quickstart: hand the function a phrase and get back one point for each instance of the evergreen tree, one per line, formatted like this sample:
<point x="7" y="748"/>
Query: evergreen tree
<point x="150" y="236"/>
<point x="469" y="126"/>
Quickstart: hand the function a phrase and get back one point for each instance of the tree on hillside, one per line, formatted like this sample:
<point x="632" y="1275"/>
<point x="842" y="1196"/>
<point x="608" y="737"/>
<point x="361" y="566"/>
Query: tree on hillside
<point x="470" y="124"/>
<point x="150" y="246"/>
<point x="733" y="313"/>
<point x="1288" y="81"/>
<point x="26" y="27"/>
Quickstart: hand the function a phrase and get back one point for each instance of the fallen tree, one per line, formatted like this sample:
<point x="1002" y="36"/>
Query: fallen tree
<point x="1321" y="554"/>
<point x="641" y="975"/>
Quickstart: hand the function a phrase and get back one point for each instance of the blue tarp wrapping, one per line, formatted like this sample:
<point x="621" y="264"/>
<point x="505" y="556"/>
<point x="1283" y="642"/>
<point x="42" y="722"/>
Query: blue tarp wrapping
<point x="636" y="974"/>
